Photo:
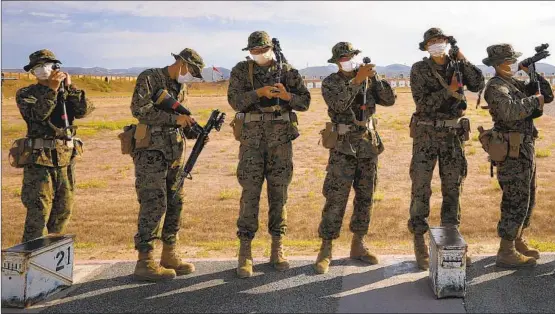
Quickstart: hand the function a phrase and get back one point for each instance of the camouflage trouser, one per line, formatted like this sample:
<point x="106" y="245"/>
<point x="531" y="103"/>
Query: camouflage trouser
<point x="345" y="171"/>
<point x="159" y="213"/>
<point x="430" y="145"/>
<point x="517" y="178"/>
<point x="276" y="165"/>
<point x="47" y="193"/>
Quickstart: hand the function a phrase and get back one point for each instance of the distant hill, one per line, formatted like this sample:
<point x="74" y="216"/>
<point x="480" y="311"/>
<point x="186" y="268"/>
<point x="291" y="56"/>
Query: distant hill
<point x="316" y="72"/>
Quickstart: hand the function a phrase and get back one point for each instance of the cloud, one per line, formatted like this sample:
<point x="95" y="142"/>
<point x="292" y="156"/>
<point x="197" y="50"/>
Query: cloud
<point x="111" y="32"/>
<point x="44" y="14"/>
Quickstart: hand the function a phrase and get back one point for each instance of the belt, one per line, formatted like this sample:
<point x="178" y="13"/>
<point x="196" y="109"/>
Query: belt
<point x="343" y="128"/>
<point x="157" y="128"/>
<point x="41" y="143"/>
<point x="252" y="116"/>
<point x="453" y="123"/>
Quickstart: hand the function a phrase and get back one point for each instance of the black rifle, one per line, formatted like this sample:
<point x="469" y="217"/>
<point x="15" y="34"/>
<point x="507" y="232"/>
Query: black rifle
<point x="280" y="58"/>
<point x="530" y="63"/>
<point x="68" y="130"/>
<point x="214" y="122"/>
<point x="456" y="64"/>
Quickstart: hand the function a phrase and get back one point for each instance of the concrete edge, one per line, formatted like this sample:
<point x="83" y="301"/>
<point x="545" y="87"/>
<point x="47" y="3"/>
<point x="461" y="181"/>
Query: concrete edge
<point x="265" y="259"/>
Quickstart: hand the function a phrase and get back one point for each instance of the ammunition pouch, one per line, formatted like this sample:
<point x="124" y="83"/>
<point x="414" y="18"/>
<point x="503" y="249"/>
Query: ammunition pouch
<point x="142" y="136"/>
<point x="465" y="125"/>
<point x="412" y="126"/>
<point x="126" y="139"/>
<point x="21" y="153"/>
<point x="377" y="144"/>
<point x="494" y="143"/>
<point x="237" y="125"/>
<point x="329" y="135"/>
<point x="78" y="148"/>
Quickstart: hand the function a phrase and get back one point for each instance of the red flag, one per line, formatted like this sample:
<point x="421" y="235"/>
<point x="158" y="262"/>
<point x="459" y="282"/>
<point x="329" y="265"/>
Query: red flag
<point x="215" y="69"/>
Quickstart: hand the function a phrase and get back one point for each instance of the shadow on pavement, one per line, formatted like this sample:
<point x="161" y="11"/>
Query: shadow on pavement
<point x="215" y="288"/>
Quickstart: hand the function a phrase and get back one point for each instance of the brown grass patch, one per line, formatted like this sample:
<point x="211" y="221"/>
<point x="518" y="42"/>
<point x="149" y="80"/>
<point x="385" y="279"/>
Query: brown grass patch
<point x="105" y="216"/>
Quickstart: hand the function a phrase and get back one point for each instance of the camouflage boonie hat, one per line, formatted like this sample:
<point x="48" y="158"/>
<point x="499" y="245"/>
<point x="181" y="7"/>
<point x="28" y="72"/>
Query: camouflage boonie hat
<point x="498" y="54"/>
<point x="341" y="49"/>
<point x="259" y="39"/>
<point x="429" y="34"/>
<point x="193" y="58"/>
<point x="38" y="57"/>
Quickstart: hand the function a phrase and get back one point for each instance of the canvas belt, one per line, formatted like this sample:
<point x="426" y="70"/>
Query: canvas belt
<point x="343" y="128"/>
<point x="266" y="116"/>
<point x="41" y="143"/>
<point x="453" y="123"/>
<point x="157" y="128"/>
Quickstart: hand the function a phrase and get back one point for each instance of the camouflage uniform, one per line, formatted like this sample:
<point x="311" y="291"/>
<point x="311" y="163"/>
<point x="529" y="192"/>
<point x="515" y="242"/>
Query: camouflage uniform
<point x="432" y="142"/>
<point x="157" y="166"/>
<point x="266" y="148"/>
<point x="49" y="178"/>
<point x="353" y="162"/>
<point x="511" y="103"/>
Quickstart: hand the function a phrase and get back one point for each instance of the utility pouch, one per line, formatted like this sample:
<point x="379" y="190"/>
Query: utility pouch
<point x="77" y="147"/>
<point x="494" y="143"/>
<point x="412" y="126"/>
<point x="142" y="136"/>
<point x="329" y="135"/>
<point x="377" y="144"/>
<point x="126" y="139"/>
<point x="465" y="124"/>
<point x="515" y="139"/>
<point x="237" y="125"/>
<point x="21" y="153"/>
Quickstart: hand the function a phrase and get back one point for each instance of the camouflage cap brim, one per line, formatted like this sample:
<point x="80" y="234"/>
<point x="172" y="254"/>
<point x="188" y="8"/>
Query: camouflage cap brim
<point x="33" y="64"/>
<point x="351" y="52"/>
<point x="422" y="45"/>
<point x="490" y="61"/>
<point x="198" y="72"/>
<point x="257" y="47"/>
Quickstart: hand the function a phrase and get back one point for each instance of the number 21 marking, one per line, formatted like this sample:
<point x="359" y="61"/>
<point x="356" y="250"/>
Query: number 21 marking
<point x="60" y="257"/>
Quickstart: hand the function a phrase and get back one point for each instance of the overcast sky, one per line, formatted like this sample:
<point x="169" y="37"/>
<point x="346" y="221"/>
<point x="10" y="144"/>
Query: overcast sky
<point x="114" y="34"/>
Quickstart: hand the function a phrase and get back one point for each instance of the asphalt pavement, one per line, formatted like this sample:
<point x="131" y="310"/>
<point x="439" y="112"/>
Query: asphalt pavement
<point x="393" y="286"/>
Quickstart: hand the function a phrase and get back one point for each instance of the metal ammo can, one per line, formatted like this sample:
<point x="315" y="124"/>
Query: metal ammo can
<point x="447" y="262"/>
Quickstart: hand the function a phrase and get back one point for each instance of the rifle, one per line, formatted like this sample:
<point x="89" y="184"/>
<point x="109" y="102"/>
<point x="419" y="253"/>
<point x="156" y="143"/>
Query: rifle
<point x="280" y="58"/>
<point x="530" y="63"/>
<point x="456" y="63"/>
<point x="214" y="122"/>
<point x="68" y="130"/>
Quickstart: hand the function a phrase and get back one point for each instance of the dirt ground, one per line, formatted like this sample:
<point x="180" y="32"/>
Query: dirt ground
<point x="105" y="214"/>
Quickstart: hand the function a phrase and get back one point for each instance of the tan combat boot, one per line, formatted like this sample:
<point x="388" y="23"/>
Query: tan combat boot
<point x="277" y="258"/>
<point x="508" y="257"/>
<point x="522" y="246"/>
<point x="421" y="252"/>
<point x="147" y="269"/>
<point x="244" y="267"/>
<point x="360" y="251"/>
<point x="324" y="257"/>
<point x="171" y="260"/>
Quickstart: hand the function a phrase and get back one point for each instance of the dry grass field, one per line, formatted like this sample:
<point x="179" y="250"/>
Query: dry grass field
<point x="105" y="213"/>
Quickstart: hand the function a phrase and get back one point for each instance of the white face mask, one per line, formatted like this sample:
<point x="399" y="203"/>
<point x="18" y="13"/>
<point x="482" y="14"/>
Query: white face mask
<point x="263" y="58"/>
<point x="188" y="77"/>
<point x="43" y="72"/>
<point x="437" y="50"/>
<point x="348" y="66"/>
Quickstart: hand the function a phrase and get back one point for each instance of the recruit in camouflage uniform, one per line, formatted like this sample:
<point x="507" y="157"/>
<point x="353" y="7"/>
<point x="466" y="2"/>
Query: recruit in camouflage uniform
<point x="265" y="131"/>
<point x="353" y="161"/>
<point x="157" y="164"/>
<point x="513" y="105"/>
<point x="437" y="131"/>
<point x="49" y="175"/>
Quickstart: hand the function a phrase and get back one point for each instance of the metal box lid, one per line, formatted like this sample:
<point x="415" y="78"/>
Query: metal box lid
<point x="37" y="244"/>
<point x="447" y="238"/>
